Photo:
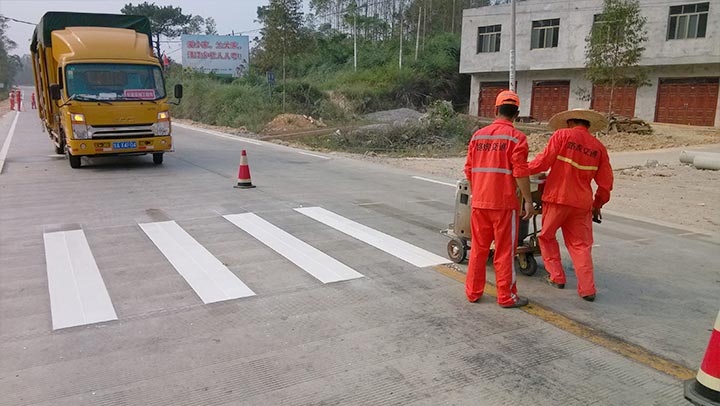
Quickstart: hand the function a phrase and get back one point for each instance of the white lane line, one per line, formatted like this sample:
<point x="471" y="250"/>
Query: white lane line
<point x="205" y="274"/>
<point x="313" y="261"/>
<point x="686" y="234"/>
<point x="393" y="246"/>
<point x="6" y="144"/>
<point x="77" y="292"/>
<point x="219" y="134"/>
<point x="315" y="155"/>
<point x="434" y="181"/>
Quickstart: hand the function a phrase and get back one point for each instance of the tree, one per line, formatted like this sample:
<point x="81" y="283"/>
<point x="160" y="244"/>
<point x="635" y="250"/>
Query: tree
<point x="210" y="26"/>
<point x="168" y="21"/>
<point x="9" y="64"/>
<point x="615" y="45"/>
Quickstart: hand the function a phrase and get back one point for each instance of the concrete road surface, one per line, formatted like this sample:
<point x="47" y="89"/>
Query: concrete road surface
<point x="127" y="283"/>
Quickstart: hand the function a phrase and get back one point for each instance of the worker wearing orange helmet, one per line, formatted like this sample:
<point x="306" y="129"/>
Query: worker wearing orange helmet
<point x="575" y="158"/>
<point x="496" y="165"/>
<point x="18" y="99"/>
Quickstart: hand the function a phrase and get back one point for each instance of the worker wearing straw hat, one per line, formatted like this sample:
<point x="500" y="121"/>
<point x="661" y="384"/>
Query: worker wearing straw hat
<point x="575" y="158"/>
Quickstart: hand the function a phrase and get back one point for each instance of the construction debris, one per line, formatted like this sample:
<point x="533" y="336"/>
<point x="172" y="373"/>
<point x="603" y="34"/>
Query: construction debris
<point x="292" y="122"/>
<point x="620" y="124"/>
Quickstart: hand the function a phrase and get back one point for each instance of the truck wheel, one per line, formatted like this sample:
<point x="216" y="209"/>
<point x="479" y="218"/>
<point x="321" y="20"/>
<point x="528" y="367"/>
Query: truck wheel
<point x="158" y="158"/>
<point x="74" y="160"/>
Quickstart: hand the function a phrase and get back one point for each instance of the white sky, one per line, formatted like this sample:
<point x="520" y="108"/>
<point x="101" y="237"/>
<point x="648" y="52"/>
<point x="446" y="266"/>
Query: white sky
<point x="237" y="15"/>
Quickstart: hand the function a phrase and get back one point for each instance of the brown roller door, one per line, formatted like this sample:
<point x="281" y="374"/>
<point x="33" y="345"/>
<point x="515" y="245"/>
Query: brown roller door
<point x="690" y="101"/>
<point x="549" y="98"/>
<point x="623" y="99"/>
<point x="488" y="93"/>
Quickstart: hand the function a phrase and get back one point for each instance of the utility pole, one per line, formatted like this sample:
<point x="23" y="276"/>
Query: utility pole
<point x="355" y="40"/>
<point x="401" y="33"/>
<point x="417" y="35"/>
<point x="512" y="45"/>
<point x="452" y="25"/>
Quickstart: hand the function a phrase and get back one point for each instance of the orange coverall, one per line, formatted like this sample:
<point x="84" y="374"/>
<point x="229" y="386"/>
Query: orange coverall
<point x="18" y="99"/>
<point x="575" y="157"/>
<point x="497" y="154"/>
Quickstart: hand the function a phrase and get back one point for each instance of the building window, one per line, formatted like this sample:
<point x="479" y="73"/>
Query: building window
<point x="545" y="33"/>
<point x="688" y="21"/>
<point x="488" y="39"/>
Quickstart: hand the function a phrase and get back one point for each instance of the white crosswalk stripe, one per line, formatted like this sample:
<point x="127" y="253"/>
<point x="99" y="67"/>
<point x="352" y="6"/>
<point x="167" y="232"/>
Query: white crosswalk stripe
<point x="78" y="295"/>
<point x="313" y="261"/>
<point x="394" y="246"/>
<point x="208" y="277"/>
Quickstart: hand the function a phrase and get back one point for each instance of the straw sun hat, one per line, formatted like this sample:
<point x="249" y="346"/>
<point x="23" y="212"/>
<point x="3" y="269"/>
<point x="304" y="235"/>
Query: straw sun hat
<point x="597" y="121"/>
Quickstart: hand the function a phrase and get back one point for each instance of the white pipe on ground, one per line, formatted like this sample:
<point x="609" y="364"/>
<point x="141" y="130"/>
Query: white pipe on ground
<point x="707" y="161"/>
<point x="687" y="157"/>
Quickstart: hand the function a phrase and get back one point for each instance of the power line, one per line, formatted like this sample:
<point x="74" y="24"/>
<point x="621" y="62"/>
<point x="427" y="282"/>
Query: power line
<point x="18" y="21"/>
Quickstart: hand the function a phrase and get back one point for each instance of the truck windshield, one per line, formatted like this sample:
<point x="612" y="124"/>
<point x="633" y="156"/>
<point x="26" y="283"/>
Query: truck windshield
<point x="113" y="81"/>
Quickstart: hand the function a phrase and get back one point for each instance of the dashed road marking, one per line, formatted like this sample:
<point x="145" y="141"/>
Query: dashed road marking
<point x="6" y="144"/>
<point x="434" y="181"/>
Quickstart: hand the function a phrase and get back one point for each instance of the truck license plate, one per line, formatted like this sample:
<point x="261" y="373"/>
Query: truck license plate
<point x="125" y="145"/>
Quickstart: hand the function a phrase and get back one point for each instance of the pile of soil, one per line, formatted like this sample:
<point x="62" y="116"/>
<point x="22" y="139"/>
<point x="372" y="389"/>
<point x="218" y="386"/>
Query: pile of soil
<point x="292" y="122"/>
<point x="620" y="124"/>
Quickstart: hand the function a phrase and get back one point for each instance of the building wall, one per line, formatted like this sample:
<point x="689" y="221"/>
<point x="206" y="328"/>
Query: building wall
<point x="697" y="57"/>
<point x="576" y="18"/>
<point x="644" y="102"/>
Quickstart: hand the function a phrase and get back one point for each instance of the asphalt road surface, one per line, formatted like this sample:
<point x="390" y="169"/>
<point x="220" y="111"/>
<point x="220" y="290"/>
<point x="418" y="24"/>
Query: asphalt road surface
<point x="127" y="283"/>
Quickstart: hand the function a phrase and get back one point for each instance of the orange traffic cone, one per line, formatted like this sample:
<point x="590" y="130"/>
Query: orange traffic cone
<point x="244" y="181"/>
<point x="704" y="390"/>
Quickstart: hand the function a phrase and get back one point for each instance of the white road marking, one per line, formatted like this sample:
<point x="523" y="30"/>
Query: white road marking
<point x="77" y="292"/>
<point x="207" y="276"/>
<point x="313" y="261"/>
<point x="595" y="245"/>
<point x="6" y="144"/>
<point x="434" y="181"/>
<point x="219" y="134"/>
<point x="393" y="246"/>
<point x="686" y="234"/>
<point x="316" y="156"/>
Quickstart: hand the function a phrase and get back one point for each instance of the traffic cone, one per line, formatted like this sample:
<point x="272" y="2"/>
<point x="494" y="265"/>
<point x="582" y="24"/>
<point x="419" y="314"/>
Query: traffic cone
<point x="704" y="390"/>
<point x="244" y="181"/>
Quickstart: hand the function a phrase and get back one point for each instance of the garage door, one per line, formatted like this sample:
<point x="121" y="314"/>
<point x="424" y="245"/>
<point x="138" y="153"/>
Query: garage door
<point x="488" y="93"/>
<point x="690" y="101"/>
<point x="623" y="99"/>
<point x="549" y="98"/>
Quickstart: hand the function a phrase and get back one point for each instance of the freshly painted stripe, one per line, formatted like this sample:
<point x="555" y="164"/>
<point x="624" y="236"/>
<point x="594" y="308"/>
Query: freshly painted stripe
<point x="6" y="144"/>
<point x="496" y="137"/>
<point x="219" y="134"/>
<point x="605" y="340"/>
<point x="77" y="292"/>
<point x="313" y="261"/>
<point x="314" y="155"/>
<point x="208" y="277"/>
<point x="393" y="246"/>
<point x="577" y="165"/>
<point x="493" y="170"/>
<point x="434" y="181"/>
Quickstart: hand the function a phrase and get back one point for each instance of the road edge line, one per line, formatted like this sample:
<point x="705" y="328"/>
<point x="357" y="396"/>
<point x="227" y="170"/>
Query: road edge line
<point x="584" y="331"/>
<point x="6" y="144"/>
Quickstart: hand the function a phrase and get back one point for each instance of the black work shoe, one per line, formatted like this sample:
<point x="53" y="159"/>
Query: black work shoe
<point x="589" y="298"/>
<point x="553" y="283"/>
<point x="520" y="302"/>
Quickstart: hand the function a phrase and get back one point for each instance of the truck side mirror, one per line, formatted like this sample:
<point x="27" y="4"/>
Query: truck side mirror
<point x="55" y="93"/>
<point x="178" y="91"/>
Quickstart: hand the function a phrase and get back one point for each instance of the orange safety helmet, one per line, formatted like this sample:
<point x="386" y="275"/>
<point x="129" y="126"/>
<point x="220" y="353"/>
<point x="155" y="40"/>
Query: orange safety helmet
<point x="507" y="97"/>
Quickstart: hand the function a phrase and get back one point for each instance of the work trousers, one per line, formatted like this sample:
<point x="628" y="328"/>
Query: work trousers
<point x="576" y="225"/>
<point x="501" y="226"/>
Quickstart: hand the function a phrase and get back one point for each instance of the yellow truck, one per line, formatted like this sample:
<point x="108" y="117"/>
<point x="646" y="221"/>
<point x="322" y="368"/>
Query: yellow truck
<point x="100" y="89"/>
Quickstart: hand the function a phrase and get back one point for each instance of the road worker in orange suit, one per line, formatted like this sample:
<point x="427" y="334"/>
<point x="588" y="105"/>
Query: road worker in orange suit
<point x="12" y="100"/>
<point x="18" y="99"/>
<point x="575" y="158"/>
<point x="496" y="165"/>
<point x="32" y="101"/>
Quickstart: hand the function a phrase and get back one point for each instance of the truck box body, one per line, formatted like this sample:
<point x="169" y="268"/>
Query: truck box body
<point x="113" y="98"/>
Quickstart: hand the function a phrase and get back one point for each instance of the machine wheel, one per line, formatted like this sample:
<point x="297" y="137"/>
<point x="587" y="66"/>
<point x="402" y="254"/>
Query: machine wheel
<point x="456" y="250"/>
<point x="527" y="265"/>
<point x="74" y="160"/>
<point x="158" y="158"/>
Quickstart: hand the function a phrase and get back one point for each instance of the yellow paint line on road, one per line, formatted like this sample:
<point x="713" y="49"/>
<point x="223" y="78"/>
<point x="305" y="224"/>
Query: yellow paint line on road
<point x="603" y="339"/>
